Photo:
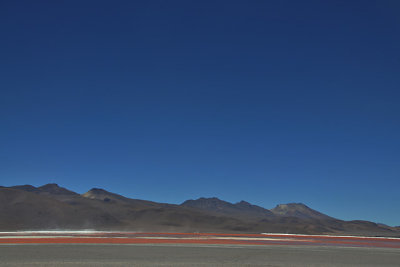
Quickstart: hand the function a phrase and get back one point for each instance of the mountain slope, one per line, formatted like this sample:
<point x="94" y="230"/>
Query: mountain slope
<point x="55" y="189"/>
<point x="53" y="207"/>
<point x="24" y="210"/>
<point x="105" y="196"/>
<point x="243" y="209"/>
<point x="27" y="187"/>
<point x="299" y="210"/>
<point x="52" y="190"/>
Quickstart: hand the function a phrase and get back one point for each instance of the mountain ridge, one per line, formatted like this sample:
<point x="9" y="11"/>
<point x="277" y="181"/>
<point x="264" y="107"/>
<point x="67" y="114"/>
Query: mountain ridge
<point x="215" y="204"/>
<point x="51" y="188"/>
<point x="26" y="207"/>
<point x="299" y="210"/>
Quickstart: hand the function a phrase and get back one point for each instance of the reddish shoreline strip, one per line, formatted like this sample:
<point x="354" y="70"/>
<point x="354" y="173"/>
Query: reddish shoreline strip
<point x="327" y="241"/>
<point x="136" y="234"/>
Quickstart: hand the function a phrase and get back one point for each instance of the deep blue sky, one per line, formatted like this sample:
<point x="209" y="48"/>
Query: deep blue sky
<point x="266" y="101"/>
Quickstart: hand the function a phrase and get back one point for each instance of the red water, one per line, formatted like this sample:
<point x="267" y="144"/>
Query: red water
<point x="195" y="238"/>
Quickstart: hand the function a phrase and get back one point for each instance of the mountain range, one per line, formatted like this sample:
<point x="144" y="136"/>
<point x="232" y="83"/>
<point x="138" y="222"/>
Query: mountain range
<point x="25" y="207"/>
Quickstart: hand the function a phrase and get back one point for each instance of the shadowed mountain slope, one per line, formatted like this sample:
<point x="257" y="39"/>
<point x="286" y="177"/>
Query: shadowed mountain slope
<point x="27" y="187"/>
<point x="105" y="196"/>
<point x="51" y="189"/>
<point x="22" y="210"/>
<point x="242" y="209"/>
<point x="54" y="189"/>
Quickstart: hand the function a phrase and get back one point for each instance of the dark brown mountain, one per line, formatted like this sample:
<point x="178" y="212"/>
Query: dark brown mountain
<point x="27" y="187"/>
<point x="54" y="207"/>
<point x="103" y="195"/>
<point x="23" y="210"/>
<point x="54" y="189"/>
<point x="242" y="209"/>
<point x="51" y="190"/>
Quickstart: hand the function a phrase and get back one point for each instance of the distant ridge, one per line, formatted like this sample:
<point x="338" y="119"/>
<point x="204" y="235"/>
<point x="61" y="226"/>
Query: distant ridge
<point x="101" y="194"/>
<point x="299" y="210"/>
<point x="27" y="187"/>
<point x="241" y="209"/>
<point x="106" y="196"/>
<point x="47" y="188"/>
<point x="25" y="207"/>
<point x="56" y="189"/>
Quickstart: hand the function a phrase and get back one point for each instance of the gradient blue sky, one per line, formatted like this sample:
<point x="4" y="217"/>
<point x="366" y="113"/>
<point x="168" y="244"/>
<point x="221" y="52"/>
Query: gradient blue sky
<point x="265" y="101"/>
